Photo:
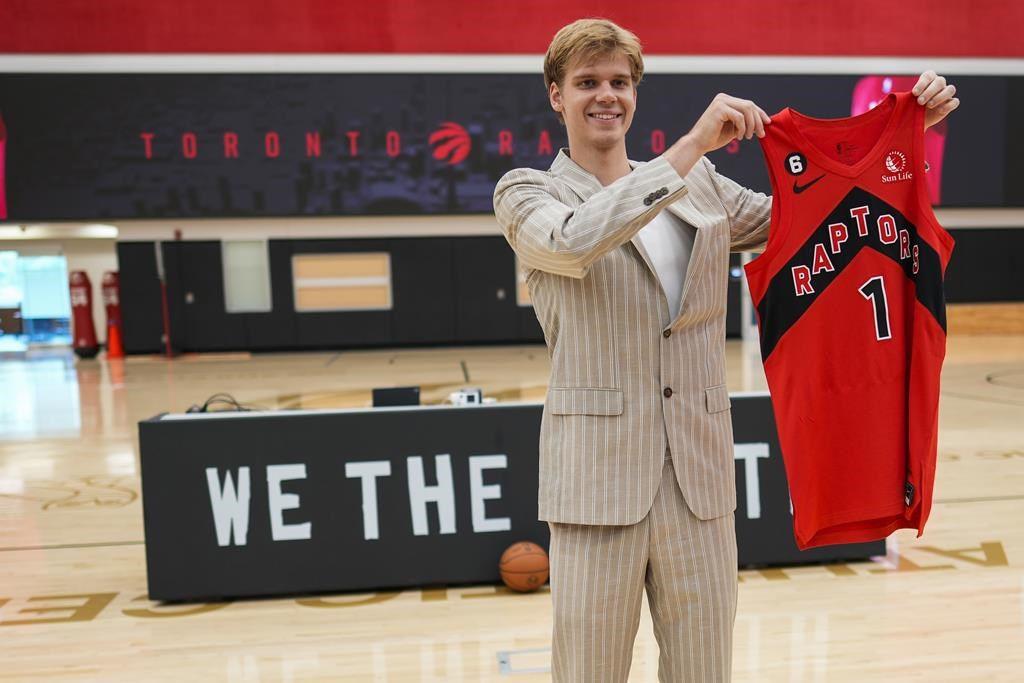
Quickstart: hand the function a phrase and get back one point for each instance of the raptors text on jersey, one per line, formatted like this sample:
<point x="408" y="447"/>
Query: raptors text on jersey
<point x="852" y="321"/>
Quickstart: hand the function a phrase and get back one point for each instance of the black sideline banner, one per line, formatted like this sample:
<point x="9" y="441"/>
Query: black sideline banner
<point x="250" y="504"/>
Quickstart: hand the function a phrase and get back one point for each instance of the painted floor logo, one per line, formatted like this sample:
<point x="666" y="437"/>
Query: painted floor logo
<point x="451" y="143"/>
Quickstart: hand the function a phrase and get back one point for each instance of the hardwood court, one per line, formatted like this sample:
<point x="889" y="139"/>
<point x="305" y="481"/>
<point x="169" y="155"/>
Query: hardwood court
<point x="946" y="607"/>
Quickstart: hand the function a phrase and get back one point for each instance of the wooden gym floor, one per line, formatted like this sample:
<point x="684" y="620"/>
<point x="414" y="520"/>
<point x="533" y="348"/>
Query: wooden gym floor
<point x="73" y="606"/>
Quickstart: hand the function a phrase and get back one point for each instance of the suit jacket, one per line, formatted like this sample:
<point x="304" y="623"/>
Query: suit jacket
<point x="627" y="382"/>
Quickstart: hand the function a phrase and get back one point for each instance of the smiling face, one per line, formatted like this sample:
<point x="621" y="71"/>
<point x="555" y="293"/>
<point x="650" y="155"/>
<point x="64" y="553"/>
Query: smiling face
<point x="597" y="99"/>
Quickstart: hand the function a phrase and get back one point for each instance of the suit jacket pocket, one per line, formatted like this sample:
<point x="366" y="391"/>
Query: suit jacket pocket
<point x="566" y="401"/>
<point x="718" y="398"/>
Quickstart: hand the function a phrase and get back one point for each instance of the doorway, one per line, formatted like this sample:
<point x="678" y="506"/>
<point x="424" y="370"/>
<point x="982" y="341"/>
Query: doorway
<point x="35" y="305"/>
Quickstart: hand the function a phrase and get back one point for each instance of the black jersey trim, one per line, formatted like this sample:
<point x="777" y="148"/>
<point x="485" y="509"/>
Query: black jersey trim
<point x="781" y="307"/>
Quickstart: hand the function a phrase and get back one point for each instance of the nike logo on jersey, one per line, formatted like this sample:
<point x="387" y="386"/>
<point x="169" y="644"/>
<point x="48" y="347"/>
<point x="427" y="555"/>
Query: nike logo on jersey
<point x="797" y="189"/>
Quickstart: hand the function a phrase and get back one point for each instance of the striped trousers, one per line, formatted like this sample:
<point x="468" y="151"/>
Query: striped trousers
<point x="687" y="565"/>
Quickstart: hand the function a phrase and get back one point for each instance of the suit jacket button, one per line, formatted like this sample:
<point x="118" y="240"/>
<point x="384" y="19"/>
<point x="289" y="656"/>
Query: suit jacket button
<point x="666" y="334"/>
<point x="648" y="201"/>
<point x="663" y="191"/>
<point x="668" y="392"/>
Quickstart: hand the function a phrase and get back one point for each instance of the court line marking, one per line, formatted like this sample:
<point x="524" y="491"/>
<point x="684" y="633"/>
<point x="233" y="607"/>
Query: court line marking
<point x="68" y="546"/>
<point x="995" y="378"/>
<point x="983" y="399"/>
<point x="987" y="499"/>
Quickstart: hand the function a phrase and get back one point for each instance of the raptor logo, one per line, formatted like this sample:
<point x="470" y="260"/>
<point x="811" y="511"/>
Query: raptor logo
<point x="451" y="143"/>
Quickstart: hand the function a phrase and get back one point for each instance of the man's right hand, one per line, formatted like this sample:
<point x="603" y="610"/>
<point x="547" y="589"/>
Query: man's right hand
<point x="727" y="118"/>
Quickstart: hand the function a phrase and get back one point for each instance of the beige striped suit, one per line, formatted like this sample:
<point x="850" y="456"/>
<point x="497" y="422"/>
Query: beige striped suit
<point x="613" y="350"/>
<point x="628" y="385"/>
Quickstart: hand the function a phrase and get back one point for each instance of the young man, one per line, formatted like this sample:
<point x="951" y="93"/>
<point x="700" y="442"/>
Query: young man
<point x="627" y="269"/>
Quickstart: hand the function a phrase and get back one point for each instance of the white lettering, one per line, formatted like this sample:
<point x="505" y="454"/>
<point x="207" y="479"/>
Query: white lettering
<point x="906" y="175"/>
<point x="230" y="507"/>
<point x="749" y="453"/>
<point x="420" y="494"/>
<point x="368" y="473"/>
<point x="278" y="502"/>
<point x="479" y="493"/>
<point x="802" y="280"/>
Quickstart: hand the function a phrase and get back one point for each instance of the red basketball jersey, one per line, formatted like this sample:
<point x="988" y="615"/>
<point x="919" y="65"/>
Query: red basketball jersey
<point x="852" y="319"/>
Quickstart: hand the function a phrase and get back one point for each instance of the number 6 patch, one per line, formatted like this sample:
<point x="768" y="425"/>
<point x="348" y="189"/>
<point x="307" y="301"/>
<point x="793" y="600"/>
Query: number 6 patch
<point x="796" y="163"/>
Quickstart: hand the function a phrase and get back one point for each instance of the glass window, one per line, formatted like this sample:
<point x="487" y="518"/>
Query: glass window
<point x="246" y="276"/>
<point x="44" y="287"/>
<point x="10" y="280"/>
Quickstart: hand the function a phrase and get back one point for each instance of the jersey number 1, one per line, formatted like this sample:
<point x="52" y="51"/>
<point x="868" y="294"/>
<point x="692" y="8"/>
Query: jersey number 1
<point x="874" y="291"/>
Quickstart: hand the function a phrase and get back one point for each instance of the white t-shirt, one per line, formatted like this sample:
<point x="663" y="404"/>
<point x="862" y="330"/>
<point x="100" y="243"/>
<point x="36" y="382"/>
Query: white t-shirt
<point x="669" y="243"/>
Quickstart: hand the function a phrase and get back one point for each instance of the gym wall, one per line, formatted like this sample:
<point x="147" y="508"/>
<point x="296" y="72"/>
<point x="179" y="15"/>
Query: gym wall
<point x="77" y="147"/>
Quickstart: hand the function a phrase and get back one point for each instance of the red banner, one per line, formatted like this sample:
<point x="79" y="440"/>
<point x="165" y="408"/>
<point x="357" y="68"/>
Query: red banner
<point x="947" y="28"/>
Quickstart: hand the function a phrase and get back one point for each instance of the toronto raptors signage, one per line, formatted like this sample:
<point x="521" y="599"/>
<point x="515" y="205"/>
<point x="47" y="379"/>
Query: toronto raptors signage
<point x="450" y="144"/>
<point x="107" y="146"/>
<point x="291" y="502"/>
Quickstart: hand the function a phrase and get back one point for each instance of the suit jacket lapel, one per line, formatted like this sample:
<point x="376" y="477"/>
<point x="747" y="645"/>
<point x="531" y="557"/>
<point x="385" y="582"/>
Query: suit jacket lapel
<point x="685" y="210"/>
<point x="639" y="245"/>
<point x="585" y="184"/>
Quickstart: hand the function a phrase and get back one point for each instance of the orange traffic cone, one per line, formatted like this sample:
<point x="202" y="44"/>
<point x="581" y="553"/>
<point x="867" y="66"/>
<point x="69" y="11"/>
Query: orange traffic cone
<point x="114" y="347"/>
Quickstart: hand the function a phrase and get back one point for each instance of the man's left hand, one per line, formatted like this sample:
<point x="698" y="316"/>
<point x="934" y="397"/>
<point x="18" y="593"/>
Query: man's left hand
<point x="936" y="95"/>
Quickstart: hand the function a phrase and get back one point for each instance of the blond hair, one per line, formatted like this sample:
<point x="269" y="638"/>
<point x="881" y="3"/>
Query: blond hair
<point x="585" y="39"/>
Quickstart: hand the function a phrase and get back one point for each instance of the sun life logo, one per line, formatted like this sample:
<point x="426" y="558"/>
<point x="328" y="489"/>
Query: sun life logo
<point x="895" y="161"/>
<point x="896" y="164"/>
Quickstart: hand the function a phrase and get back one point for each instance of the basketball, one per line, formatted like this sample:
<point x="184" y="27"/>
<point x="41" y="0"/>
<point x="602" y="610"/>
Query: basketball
<point x="524" y="567"/>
